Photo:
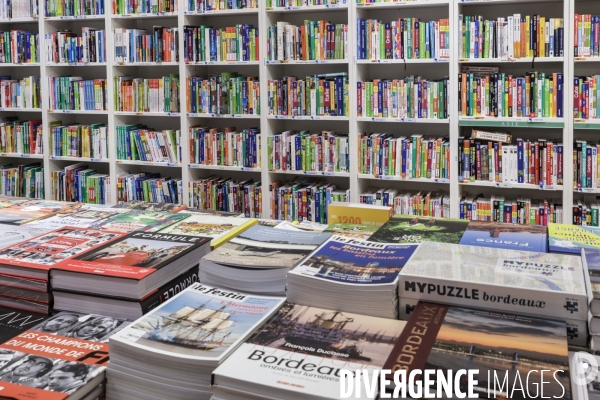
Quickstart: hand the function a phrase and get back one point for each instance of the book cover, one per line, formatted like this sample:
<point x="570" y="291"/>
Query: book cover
<point x="148" y="206"/>
<point x="522" y="282"/>
<point x="133" y="256"/>
<point x="346" y="213"/>
<point x="415" y="229"/>
<point x="354" y="261"/>
<point x="309" y="346"/>
<point x="201" y="322"/>
<point x="506" y="236"/>
<point x="563" y="238"/>
<point x="11" y="201"/>
<point x="591" y="258"/>
<point x="12" y="323"/>
<point x="265" y="247"/>
<point x="139" y="220"/>
<point x="219" y="228"/>
<point x="498" y="345"/>
<point x="92" y="327"/>
<point x="80" y="217"/>
<point x="10" y="234"/>
<point x="31" y="210"/>
<point x="355" y="231"/>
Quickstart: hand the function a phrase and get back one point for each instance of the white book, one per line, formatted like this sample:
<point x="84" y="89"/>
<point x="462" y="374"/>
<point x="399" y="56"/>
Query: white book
<point x="511" y="39"/>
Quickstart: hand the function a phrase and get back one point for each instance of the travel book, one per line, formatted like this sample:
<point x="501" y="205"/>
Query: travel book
<point x="415" y="229"/>
<point x="80" y="217"/>
<point x="506" y="236"/>
<point x="32" y="210"/>
<point x="508" y="347"/>
<point x="563" y="238"/>
<point x="10" y="234"/>
<point x="355" y="213"/>
<point x="220" y="229"/>
<point x="309" y="346"/>
<point x="148" y="206"/>
<point x="355" y="231"/>
<point x="139" y="220"/>
<point x="515" y="281"/>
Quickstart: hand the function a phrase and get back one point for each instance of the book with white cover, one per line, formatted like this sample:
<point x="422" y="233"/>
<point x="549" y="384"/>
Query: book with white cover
<point x="10" y="234"/>
<point x="496" y="279"/>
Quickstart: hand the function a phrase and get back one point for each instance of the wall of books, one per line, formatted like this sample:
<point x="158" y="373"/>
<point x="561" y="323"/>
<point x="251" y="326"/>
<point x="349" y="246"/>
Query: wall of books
<point x="271" y="107"/>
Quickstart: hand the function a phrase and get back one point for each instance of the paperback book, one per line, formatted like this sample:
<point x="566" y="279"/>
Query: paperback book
<point x="31" y="210"/>
<point x="355" y="231"/>
<point x="148" y="206"/>
<point x="415" y="229"/>
<point x="10" y="234"/>
<point x="80" y="217"/>
<point x="139" y="220"/>
<point x="563" y="238"/>
<point x="506" y="236"/>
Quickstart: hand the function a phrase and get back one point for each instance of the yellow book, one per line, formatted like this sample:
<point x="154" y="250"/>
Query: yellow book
<point x="565" y="238"/>
<point x="361" y="214"/>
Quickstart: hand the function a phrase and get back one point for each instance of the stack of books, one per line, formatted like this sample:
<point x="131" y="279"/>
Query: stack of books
<point x="20" y="93"/>
<point x="78" y="140"/>
<point x="225" y="194"/>
<point x="226" y="93"/>
<point x="67" y="47"/>
<point x="71" y="8"/>
<point x="137" y="45"/>
<point x="147" y="94"/>
<point x="232" y="43"/>
<point x="314" y="40"/>
<point x="19" y="47"/>
<point x="75" y="93"/>
<point x="22" y="137"/>
<point x="226" y="147"/>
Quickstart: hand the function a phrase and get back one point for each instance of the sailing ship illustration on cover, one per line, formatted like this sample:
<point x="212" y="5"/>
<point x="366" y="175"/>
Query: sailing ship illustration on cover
<point x="202" y="328"/>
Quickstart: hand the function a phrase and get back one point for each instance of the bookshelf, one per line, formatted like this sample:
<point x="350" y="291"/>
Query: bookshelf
<point x="566" y="129"/>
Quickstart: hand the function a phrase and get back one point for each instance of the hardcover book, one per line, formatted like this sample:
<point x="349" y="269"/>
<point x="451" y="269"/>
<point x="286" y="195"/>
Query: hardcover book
<point x="12" y="323"/>
<point x="139" y="220"/>
<point x="220" y="229"/>
<point x="353" y="213"/>
<point x="310" y="346"/>
<point x="500" y="346"/>
<point x="148" y="206"/>
<point x="563" y="238"/>
<point x="10" y="234"/>
<point x="415" y="229"/>
<point x="83" y="326"/>
<point x="506" y="236"/>
<point x="81" y="218"/>
<point x="497" y="279"/>
<point x="32" y="210"/>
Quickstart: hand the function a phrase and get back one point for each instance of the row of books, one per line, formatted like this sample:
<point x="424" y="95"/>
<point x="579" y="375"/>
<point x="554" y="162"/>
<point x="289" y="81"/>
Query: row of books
<point x="586" y="104"/>
<point x="299" y="3"/>
<point x="147" y="95"/>
<point x="494" y="94"/>
<point x="232" y="43"/>
<point x="78" y="182"/>
<point x="227" y="194"/>
<point x="513" y="37"/>
<point x="201" y="6"/>
<point x="318" y="95"/>
<point x="21" y="137"/>
<point x="75" y="93"/>
<point x="586" y="214"/>
<point x="67" y="47"/>
<point x="19" y="47"/>
<point x="303" y="151"/>
<point x="409" y="202"/>
<point x="22" y="93"/>
<point x="18" y="9"/>
<point x="405" y="38"/>
<point x="314" y="40"/>
<point x="585" y="163"/>
<point x="138" y="45"/>
<point x="226" y="93"/>
<point x="411" y="97"/>
<point x="521" y="210"/>
<point x="144" y="7"/>
<point x="138" y="142"/>
<point x="77" y="140"/>
<point x="24" y="180"/>
<point x="151" y="187"/>
<point x="72" y="8"/>
<point x="383" y="155"/>
<point x="226" y="147"/>
<point x="586" y="42"/>
<point x="530" y="162"/>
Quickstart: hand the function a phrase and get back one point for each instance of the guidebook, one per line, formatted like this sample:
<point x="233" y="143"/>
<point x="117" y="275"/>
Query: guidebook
<point x="80" y="217"/>
<point x="10" y="234"/>
<point x="415" y="229"/>
<point x="309" y="346"/>
<point x="356" y="231"/>
<point x="148" y="206"/>
<point x="506" y="236"/>
<point x="563" y="238"/>
<point x="516" y="281"/>
<point x="139" y="220"/>
<point x="32" y="210"/>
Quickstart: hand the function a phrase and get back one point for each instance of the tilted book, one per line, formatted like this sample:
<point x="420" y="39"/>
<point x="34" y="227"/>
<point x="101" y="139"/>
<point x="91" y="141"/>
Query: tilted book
<point x="563" y="238"/>
<point x="32" y="210"/>
<point x="506" y="236"/>
<point x="415" y="229"/>
<point x="522" y="282"/>
<point x="139" y="220"/>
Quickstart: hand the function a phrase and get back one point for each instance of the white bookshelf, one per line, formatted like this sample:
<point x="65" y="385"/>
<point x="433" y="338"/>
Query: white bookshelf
<point x="566" y="128"/>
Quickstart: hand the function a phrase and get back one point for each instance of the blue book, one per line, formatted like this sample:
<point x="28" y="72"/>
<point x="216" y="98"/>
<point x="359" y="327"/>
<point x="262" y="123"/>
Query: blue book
<point x="506" y="236"/>
<point x="520" y="164"/>
<point x="559" y="97"/>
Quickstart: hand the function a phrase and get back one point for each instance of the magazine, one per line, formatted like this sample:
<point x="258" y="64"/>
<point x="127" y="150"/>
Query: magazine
<point x="415" y="229"/>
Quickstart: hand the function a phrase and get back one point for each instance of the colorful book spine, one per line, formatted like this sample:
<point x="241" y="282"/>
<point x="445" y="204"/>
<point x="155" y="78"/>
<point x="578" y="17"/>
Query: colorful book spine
<point x="226" y="93"/>
<point x="225" y="147"/>
<point x="80" y="183"/>
<point x="149" y="187"/>
<point x="301" y="199"/>
<point x="234" y="43"/>
<point x="21" y="93"/>
<point x="415" y="157"/>
<point x="586" y="163"/>
<point x="19" y="47"/>
<point x="586" y="35"/>
<point x="526" y="162"/>
<point x="75" y="93"/>
<point x="21" y="137"/>
<point x="300" y="3"/>
<point x="67" y="47"/>
<point x="314" y="40"/>
<point x="206" y="6"/>
<point x="384" y="1"/>
<point x="144" y="6"/>
<point x="18" y="9"/>
<point x="76" y="140"/>
<point x="586" y="97"/>
<point x="512" y="37"/>
<point x="522" y="210"/>
<point x="404" y="38"/>
<point x="411" y="97"/>
<point x="410" y="202"/>
<point x="318" y="95"/>
<point x="227" y="194"/>
<point x="25" y="180"/>
<point x="147" y="95"/>
<point x="139" y="45"/>
<point x="73" y="8"/>
<point x="137" y="142"/>
<point x="495" y="94"/>
<point x="586" y="214"/>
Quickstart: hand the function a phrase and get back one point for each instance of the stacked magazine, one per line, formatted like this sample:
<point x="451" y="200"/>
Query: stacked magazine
<point x="351" y="275"/>
<point x="171" y="352"/>
<point x="257" y="260"/>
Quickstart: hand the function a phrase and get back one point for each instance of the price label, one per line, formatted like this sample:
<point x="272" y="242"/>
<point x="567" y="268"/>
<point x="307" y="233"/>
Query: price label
<point x="409" y="120"/>
<point x="378" y="119"/>
<point x="132" y="334"/>
<point x="25" y="155"/>
<point x="503" y="184"/>
<point x="94" y="160"/>
<point x="67" y="111"/>
<point x="311" y="173"/>
<point x="386" y="177"/>
<point x="441" y="180"/>
<point x="329" y="173"/>
<point x="587" y="190"/>
<point x="537" y="120"/>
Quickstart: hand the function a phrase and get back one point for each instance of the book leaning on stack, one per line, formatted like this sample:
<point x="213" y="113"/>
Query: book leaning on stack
<point x="172" y="351"/>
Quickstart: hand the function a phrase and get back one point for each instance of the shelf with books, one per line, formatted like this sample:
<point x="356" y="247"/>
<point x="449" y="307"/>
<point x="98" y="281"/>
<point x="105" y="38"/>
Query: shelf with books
<point x="148" y="163"/>
<point x="522" y="60"/>
<point x="307" y="9"/>
<point x="76" y="18"/>
<point x="402" y="61"/>
<point x="512" y="122"/>
<point x="223" y="168"/>
<point x="158" y="15"/>
<point x="502" y="2"/>
<point x="397" y="178"/>
<point x="404" y="120"/>
<point x="308" y="117"/>
<point x="311" y="173"/>
<point x="225" y="13"/>
<point x="27" y="109"/>
<point x="148" y="114"/>
<point x="301" y="62"/>
<point x="25" y="64"/>
<point x="510" y="185"/>
<point x="76" y="64"/>
<point x="401" y="4"/>
<point x="85" y="159"/>
<point x="224" y="63"/>
<point x="226" y="116"/>
<point x="22" y="155"/>
<point x="144" y="64"/>
<point x="78" y="112"/>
